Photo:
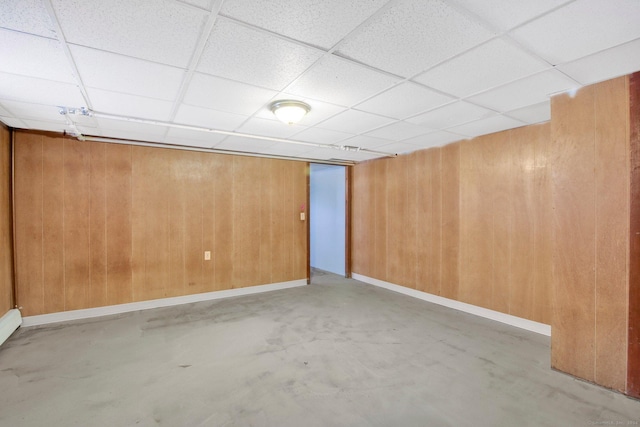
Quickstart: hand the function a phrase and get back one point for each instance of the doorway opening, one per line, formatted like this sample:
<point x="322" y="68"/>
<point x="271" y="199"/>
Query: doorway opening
<point x="328" y="219"/>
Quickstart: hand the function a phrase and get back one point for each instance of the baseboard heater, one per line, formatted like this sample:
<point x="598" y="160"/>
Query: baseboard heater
<point x="9" y="323"/>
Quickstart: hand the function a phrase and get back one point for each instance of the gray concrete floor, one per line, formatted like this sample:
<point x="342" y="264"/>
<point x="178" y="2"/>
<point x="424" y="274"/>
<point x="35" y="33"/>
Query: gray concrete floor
<point x="336" y="353"/>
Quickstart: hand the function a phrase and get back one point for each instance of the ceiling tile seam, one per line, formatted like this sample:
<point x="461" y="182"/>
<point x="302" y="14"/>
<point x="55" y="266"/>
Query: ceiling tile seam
<point x="195" y="59"/>
<point x="26" y="33"/>
<point x="65" y="47"/>
<point x="542" y="15"/>
<point x="190" y="6"/>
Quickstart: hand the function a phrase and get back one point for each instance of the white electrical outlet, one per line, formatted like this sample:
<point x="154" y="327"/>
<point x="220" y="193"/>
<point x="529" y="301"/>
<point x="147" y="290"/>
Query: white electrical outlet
<point x="207" y="255"/>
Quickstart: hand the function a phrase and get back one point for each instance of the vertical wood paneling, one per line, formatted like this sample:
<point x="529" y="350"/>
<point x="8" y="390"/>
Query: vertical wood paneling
<point x="130" y="223"/>
<point x="542" y="299"/>
<point x="612" y="224"/>
<point x="98" y="225"/>
<point x="522" y="295"/>
<point x="119" y="223"/>
<point x="225" y="222"/>
<point x="411" y="183"/>
<point x="53" y="253"/>
<point x="476" y="222"/>
<point x="633" y="356"/>
<point x="396" y="192"/>
<point x="6" y="223"/>
<point x="76" y="235"/>
<point x="501" y="177"/>
<point x="450" y="208"/>
<point x="574" y="224"/>
<point x="424" y="226"/>
<point x="28" y="223"/>
<point x="380" y="196"/>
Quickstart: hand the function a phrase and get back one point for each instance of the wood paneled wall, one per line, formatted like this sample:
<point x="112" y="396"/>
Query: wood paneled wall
<point x="100" y="224"/>
<point x="6" y="224"/>
<point x="633" y="359"/>
<point x="590" y="182"/>
<point x="468" y="221"/>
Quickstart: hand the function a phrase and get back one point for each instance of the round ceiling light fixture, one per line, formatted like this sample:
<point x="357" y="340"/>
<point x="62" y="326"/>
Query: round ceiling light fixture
<point x="289" y="111"/>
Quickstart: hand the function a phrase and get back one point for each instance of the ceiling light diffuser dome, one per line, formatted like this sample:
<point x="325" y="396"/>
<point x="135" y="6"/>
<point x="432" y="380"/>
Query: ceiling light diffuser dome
<point x="289" y="111"/>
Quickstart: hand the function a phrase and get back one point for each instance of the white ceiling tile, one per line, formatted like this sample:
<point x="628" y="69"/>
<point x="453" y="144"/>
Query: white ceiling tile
<point x="118" y="73"/>
<point x="528" y="91"/>
<point x="237" y="143"/>
<point x="3" y="110"/>
<point x="39" y="91"/>
<point x="285" y="149"/>
<point x="404" y="100"/>
<point x="28" y="16"/>
<point x="506" y="14"/>
<point x="533" y="114"/>
<point x="266" y="60"/>
<point x="13" y="122"/>
<point x="356" y="156"/>
<point x="193" y="138"/>
<point x="398" y="148"/>
<point x="319" y="110"/>
<point x="435" y="139"/>
<point x="212" y="119"/>
<point x="321" y="136"/>
<point x="399" y="130"/>
<point x="413" y="35"/>
<point x="323" y="153"/>
<point x="581" y="28"/>
<point x="129" y="105"/>
<point x="366" y="141"/>
<point x="46" y="125"/>
<point x="614" y="62"/>
<point x="34" y="56"/>
<point x="353" y="121"/>
<point x="165" y="33"/>
<point x="272" y="128"/>
<point x="226" y="95"/>
<point x="320" y="23"/>
<point x="451" y="115"/>
<point x="31" y="111"/>
<point x="492" y="64"/>
<point x="141" y="131"/>
<point x="338" y="81"/>
<point x="486" y="126"/>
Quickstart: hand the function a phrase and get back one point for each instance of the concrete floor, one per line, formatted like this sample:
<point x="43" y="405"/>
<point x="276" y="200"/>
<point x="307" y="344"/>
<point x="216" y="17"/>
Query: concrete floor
<point x="336" y="353"/>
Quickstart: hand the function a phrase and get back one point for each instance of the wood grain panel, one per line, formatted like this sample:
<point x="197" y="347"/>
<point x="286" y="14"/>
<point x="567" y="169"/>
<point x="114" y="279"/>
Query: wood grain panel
<point x="573" y="144"/>
<point x="476" y="222"/>
<point x="6" y="223"/>
<point x="361" y="211"/>
<point x="98" y="225"/>
<point x="176" y="199"/>
<point x="278" y="212"/>
<point x="500" y="175"/>
<point x="119" y="224"/>
<point x="224" y="226"/>
<point x="53" y="236"/>
<point x="411" y="215"/>
<point x="424" y="224"/>
<point x="633" y="355"/>
<point x="396" y="192"/>
<point x="194" y="197"/>
<point x="450" y="208"/>
<point x="208" y="223"/>
<point x="380" y="200"/>
<point x="612" y="225"/>
<point x="245" y="210"/>
<point x="542" y="305"/>
<point x="28" y="222"/>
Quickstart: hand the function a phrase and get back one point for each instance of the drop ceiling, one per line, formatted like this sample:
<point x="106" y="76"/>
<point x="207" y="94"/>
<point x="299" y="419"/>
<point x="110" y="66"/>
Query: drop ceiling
<point x="382" y="77"/>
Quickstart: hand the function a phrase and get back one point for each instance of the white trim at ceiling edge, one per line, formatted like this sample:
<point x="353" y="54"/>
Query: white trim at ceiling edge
<point x="65" y="316"/>
<point x="9" y="323"/>
<point x="518" y="322"/>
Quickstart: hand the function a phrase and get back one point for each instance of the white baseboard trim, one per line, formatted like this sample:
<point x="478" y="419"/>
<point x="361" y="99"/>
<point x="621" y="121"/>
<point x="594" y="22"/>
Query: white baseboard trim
<point x="518" y="322"/>
<point x="65" y="316"/>
<point x="9" y="323"/>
